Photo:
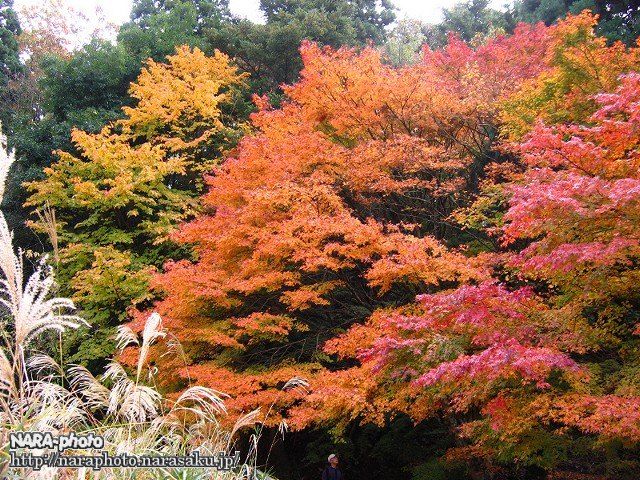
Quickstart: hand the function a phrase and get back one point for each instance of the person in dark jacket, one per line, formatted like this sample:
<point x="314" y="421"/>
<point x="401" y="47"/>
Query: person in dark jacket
<point x="332" y="472"/>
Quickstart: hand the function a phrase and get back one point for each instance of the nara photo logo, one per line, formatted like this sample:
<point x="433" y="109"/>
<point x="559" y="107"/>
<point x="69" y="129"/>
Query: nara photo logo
<point x="47" y="440"/>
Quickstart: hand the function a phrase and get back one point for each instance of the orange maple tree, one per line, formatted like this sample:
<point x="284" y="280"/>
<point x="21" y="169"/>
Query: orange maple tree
<point x="336" y="206"/>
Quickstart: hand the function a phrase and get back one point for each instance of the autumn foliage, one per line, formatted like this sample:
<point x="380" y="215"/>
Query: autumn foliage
<point x="547" y="347"/>
<point x="337" y="205"/>
<point x="579" y="66"/>
<point x="454" y="239"/>
<point x="125" y="188"/>
<point x="351" y="199"/>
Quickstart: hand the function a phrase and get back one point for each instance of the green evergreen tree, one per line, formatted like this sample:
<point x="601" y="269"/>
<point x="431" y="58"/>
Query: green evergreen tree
<point x="269" y="52"/>
<point x="10" y="65"/>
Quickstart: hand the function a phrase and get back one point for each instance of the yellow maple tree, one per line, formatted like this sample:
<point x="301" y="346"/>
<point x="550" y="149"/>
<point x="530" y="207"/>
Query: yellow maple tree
<point x="131" y="183"/>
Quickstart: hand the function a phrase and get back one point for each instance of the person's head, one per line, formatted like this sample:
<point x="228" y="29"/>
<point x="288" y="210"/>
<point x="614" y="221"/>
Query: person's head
<point x="333" y="460"/>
